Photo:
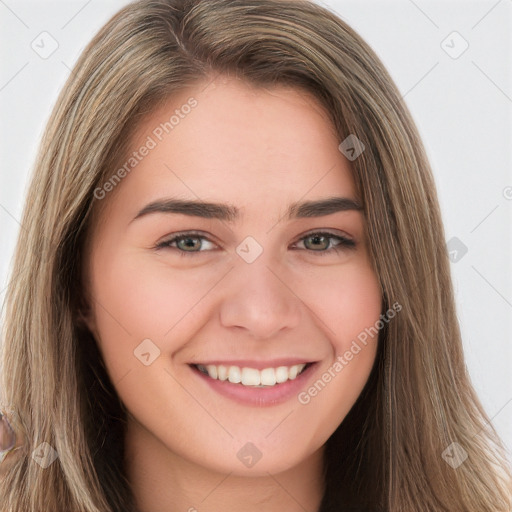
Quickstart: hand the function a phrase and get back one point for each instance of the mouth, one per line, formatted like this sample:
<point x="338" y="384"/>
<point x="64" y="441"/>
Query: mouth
<point x="250" y="386"/>
<point x="253" y="377"/>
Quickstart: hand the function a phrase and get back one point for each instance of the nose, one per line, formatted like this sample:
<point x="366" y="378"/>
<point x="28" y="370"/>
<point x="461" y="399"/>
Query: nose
<point x="259" y="300"/>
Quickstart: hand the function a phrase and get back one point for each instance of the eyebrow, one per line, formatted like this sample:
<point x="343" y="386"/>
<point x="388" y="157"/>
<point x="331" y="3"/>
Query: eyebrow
<point x="231" y="213"/>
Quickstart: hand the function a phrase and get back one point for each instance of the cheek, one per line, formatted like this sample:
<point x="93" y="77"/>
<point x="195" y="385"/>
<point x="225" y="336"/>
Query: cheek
<point x="348" y="304"/>
<point x="346" y="300"/>
<point x="137" y="299"/>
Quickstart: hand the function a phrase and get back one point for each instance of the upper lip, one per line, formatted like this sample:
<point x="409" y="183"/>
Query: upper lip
<point x="258" y="365"/>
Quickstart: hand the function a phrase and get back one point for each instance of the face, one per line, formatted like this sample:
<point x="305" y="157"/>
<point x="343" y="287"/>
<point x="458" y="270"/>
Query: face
<point x="256" y="286"/>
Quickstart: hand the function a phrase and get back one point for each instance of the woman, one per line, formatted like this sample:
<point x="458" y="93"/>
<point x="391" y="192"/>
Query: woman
<point x="250" y="364"/>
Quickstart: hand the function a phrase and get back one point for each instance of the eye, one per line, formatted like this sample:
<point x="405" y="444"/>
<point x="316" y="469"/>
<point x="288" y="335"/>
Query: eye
<point x="186" y="243"/>
<point x="321" y="243"/>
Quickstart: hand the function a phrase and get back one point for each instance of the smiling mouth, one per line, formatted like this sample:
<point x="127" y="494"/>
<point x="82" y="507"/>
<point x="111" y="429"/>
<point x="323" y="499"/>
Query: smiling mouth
<point x="252" y="377"/>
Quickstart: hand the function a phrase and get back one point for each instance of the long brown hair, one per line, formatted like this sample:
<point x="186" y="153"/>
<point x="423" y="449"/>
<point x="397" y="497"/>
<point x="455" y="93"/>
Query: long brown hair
<point x="388" y="452"/>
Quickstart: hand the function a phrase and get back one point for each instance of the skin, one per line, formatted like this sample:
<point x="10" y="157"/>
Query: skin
<point x="259" y="149"/>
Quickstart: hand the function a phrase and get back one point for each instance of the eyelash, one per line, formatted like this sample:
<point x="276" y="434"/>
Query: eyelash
<point x="344" y="243"/>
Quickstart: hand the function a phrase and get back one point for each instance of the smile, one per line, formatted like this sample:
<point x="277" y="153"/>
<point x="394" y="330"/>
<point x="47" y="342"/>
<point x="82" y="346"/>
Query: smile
<point x="267" y="377"/>
<point x="269" y="385"/>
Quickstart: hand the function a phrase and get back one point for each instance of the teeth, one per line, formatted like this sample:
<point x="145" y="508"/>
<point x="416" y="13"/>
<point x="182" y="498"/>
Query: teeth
<point x="251" y="376"/>
<point x="212" y="370"/>
<point x="281" y="374"/>
<point x="292" y="373"/>
<point x="234" y="374"/>
<point x="268" y="376"/>
<point x="222" y="372"/>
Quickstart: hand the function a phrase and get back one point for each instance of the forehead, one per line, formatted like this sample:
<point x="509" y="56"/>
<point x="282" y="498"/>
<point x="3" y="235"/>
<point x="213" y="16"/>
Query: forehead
<point x="230" y="141"/>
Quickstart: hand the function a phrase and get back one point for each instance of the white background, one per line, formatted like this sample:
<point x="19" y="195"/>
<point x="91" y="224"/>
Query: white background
<point x="462" y="107"/>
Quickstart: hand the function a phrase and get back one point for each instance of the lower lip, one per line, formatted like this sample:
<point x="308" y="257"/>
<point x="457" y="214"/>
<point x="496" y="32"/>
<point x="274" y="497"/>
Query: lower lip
<point x="260" y="397"/>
